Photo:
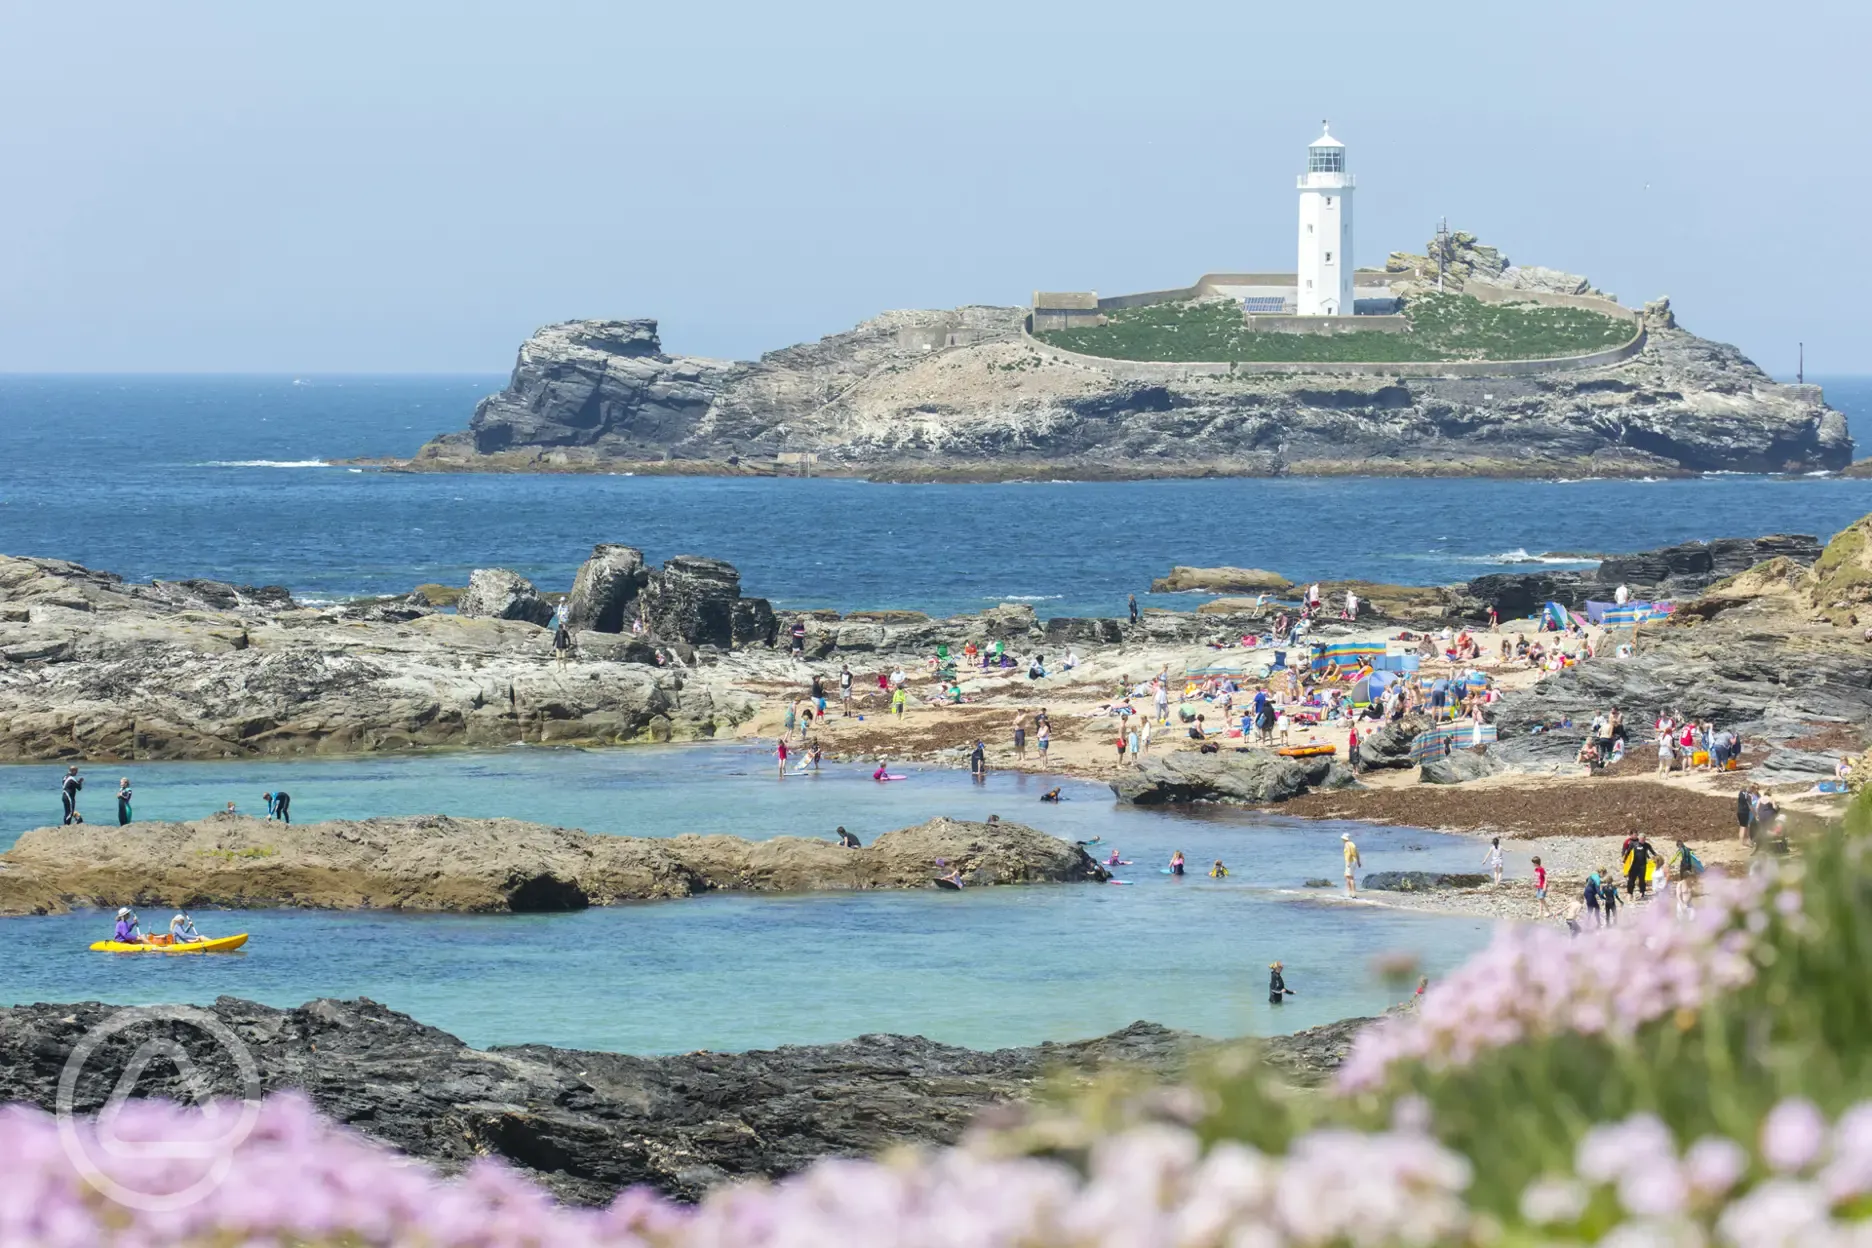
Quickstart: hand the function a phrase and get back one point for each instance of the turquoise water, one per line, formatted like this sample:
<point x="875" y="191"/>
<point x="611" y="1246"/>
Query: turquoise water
<point x="986" y="967"/>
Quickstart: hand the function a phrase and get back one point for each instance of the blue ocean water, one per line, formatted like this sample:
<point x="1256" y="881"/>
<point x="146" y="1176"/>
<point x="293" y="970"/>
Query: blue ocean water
<point x="220" y="477"/>
<point x="985" y="967"/>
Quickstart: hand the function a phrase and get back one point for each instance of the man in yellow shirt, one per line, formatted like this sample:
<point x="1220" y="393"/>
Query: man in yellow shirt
<point x="1352" y="860"/>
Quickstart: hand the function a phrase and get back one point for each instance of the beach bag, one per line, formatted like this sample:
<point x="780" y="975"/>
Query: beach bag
<point x="1699" y="758"/>
<point x="1729" y="764"/>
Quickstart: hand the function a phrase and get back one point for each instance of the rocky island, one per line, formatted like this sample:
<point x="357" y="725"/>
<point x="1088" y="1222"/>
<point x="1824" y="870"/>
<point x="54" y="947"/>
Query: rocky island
<point x="971" y="394"/>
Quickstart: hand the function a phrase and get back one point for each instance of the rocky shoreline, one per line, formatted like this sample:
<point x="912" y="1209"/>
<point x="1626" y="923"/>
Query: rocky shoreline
<point x="94" y="668"/>
<point x="590" y="1124"/>
<point x="965" y="395"/>
<point x="437" y="863"/>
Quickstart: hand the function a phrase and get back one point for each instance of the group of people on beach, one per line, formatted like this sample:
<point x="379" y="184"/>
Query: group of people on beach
<point x="278" y="803"/>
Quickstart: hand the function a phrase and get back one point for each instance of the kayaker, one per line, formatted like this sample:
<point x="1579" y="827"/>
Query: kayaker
<point x="182" y="931"/>
<point x="128" y="931"/>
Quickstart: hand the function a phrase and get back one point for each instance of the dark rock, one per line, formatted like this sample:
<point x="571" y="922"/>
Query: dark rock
<point x="600" y="384"/>
<point x="752" y="623"/>
<point x="1230" y="776"/>
<point x="604" y="593"/>
<point x="589" y="1124"/>
<point x="698" y="601"/>
<point x="1390" y="746"/>
<point x="1459" y="766"/>
<point x="1319" y="883"/>
<point x="497" y="594"/>
<point x="1064" y="630"/>
<point x="1516" y="595"/>
<point x="1419" y="881"/>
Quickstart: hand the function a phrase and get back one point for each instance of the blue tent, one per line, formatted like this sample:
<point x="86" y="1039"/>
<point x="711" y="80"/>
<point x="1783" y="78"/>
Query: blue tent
<point x="1554" y="616"/>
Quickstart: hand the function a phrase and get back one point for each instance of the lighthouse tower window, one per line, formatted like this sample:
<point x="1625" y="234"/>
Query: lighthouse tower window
<point x="1329" y="257"/>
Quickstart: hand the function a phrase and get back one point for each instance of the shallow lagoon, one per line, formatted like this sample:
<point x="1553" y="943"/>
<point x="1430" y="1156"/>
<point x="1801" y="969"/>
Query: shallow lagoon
<point x="985" y="967"/>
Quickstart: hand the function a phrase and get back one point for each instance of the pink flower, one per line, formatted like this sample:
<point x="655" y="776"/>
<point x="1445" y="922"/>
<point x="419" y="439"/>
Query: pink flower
<point x="1793" y="1136"/>
<point x="1714" y="1165"/>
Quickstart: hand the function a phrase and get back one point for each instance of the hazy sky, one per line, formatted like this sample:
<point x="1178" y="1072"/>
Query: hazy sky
<point x="405" y="186"/>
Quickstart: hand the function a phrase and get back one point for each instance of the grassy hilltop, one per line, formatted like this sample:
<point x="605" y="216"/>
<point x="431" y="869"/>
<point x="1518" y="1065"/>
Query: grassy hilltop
<point x="1442" y="327"/>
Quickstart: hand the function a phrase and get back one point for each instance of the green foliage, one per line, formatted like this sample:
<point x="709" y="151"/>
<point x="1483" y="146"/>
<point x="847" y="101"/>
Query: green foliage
<point x="1442" y="327"/>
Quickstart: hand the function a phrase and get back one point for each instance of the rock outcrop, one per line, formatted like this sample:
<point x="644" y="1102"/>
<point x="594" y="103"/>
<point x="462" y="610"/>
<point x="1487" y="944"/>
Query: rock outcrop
<point x="1219" y="581"/>
<point x="433" y="862"/>
<point x="1230" y="775"/>
<point x="1668" y="573"/>
<point x="590" y="1124"/>
<point x="497" y="594"/>
<point x="1459" y="767"/>
<point x="94" y="668"/>
<point x="604" y="592"/>
<point x="699" y="601"/>
<point x="962" y="394"/>
<point x="1778" y="654"/>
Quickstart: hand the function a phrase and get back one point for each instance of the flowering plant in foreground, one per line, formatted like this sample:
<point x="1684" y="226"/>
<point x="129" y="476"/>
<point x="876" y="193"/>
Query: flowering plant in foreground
<point x="1541" y="981"/>
<point x="299" y="1180"/>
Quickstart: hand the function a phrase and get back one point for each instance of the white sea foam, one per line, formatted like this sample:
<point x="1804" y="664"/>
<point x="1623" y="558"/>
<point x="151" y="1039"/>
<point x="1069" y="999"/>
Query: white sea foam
<point x="1024" y="598"/>
<point x="266" y="463"/>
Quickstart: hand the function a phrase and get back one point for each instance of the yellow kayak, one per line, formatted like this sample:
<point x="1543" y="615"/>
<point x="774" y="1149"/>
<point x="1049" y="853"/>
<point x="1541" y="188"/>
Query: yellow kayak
<point x="222" y="944"/>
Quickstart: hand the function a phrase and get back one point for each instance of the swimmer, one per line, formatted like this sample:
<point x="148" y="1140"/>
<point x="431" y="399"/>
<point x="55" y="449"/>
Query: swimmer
<point x="1051" y="795"/>
<point x="882" y="771"/>
<point x="1218" y="871"/>
<point x="1176" y="863"/>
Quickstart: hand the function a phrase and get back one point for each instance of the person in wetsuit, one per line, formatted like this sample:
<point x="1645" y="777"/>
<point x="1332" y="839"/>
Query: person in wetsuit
<point x="1176" y="863"/>
<point x="1278" y="991"/>
<point x="123" y="801"/>
<point x="279" y="806"/>
<point x="978" y="761"/>
<point x="1636" y="885"/>
<point x="68" y="794"/>
<point x="847" y="841"/>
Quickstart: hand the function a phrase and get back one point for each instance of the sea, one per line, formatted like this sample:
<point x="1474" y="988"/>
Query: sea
<point x="232" y="478"/>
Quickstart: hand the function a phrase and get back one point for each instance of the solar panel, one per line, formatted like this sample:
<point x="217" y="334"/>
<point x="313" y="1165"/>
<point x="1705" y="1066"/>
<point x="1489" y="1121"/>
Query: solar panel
<point x="1263" y="303"/>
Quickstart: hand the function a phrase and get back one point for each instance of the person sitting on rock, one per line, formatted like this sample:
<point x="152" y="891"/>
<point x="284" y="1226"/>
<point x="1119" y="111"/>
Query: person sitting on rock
<point x="847" y="841"/>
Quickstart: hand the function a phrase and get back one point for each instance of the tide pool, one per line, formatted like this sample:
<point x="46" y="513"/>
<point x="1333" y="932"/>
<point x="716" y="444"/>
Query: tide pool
<point x="985" y="967"/>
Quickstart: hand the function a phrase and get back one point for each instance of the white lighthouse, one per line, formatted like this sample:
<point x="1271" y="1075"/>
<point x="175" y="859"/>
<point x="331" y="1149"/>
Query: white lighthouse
<point x="1325" y="230"/>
